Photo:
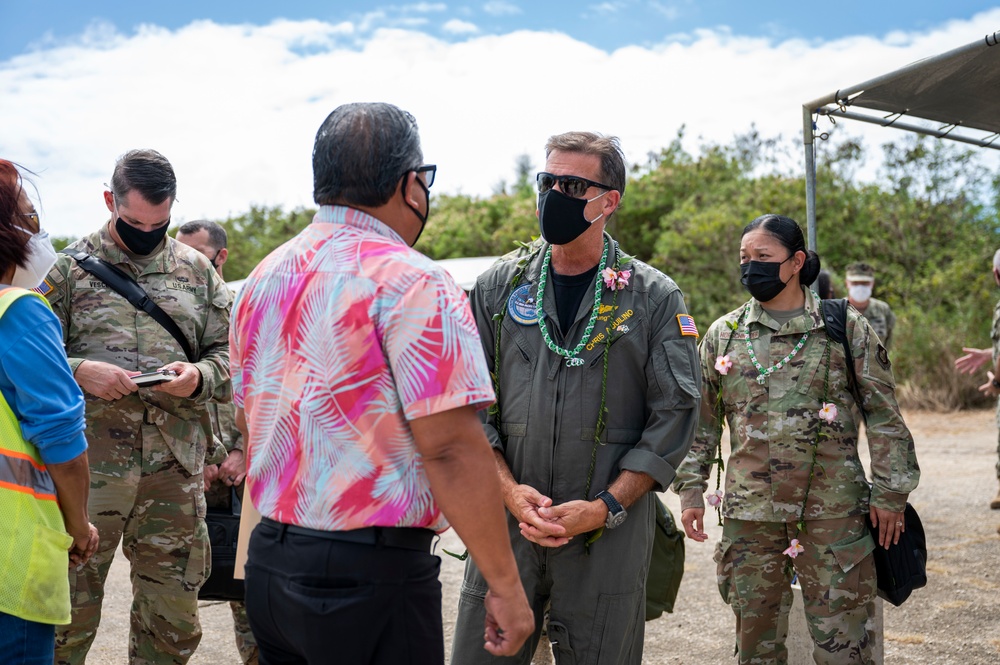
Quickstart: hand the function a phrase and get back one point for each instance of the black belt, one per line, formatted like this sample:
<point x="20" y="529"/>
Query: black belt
<point x="407" y="538"/>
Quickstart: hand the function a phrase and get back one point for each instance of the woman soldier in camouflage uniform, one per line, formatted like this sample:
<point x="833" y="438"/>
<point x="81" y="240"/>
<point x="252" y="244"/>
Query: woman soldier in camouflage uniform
<point x="795" y="494"/>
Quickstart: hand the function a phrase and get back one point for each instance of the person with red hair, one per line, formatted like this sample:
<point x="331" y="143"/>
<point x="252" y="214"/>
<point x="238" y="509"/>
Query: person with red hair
<point x="44" y="471"/>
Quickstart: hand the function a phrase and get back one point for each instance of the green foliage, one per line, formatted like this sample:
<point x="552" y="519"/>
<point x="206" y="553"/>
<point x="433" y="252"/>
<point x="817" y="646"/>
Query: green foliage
<point x="255" y="234"/>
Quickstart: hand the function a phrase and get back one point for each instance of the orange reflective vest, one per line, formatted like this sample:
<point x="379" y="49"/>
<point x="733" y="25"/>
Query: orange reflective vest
<point x="34" y="545"/>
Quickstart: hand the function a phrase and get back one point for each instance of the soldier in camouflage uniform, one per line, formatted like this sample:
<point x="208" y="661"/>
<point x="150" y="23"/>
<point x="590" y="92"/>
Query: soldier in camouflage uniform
<point x="147" y="446"/>
<point x="795" y="494"/>
<point x="225" y="468"/>
<point x="859" y="282"/>
<point x="976" y="358"/>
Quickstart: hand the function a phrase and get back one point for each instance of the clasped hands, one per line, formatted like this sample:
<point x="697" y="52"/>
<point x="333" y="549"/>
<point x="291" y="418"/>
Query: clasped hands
<point x="553" y="525"/>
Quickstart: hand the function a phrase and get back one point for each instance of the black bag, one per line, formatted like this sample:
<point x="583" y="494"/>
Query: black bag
<point x="903" y="567"/>
<point x="223" y="532"/>
<point x="666" y="565"/>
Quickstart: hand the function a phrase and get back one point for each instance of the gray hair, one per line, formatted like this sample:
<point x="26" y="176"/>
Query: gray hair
<point x="607" y="148"/>
<point x="147" y="172"/>
<point x="217" y="236"/>
<point x="361" y="152"/>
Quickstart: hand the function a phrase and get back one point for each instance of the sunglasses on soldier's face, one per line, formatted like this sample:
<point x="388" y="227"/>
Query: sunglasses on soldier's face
<point x="570" y="185"/>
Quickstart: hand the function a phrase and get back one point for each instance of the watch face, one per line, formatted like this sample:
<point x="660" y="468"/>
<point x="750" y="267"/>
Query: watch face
<point x="616" y="520"/>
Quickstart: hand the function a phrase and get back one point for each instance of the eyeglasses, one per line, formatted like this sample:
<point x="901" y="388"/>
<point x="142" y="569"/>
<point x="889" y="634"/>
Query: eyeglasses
<point x="430" y="170"/>
<point x="33" y="216"/>
<point x="570" y="185"/>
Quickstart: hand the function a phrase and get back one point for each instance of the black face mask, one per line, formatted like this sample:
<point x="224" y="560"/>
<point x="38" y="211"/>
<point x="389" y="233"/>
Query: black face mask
<point x="416" y="211"/>
<point x="140" y="242"/>
<point x="762" y="279"/>
<point x="560" y="217"/>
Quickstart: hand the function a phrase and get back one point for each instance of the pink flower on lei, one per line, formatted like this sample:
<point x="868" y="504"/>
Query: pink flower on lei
<point x="794" y="549"/>
<point x="615" y="279"/>
<point x="723" y="364"/>
<point x="715" y="498"/>
<point x="828" y="412"/>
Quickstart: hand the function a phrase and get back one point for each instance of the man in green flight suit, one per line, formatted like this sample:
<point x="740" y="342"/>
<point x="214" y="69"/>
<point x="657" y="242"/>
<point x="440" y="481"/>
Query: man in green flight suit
<point x="226" y="468"/>
<point x="147" y="445"/>
<point x="597" y="381"/>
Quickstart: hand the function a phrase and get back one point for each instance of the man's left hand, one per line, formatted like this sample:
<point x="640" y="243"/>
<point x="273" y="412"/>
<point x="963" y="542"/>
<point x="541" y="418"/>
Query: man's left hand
<point x="234" y="468"/>
<point x="576" y="517"/>
<point x="184" y="384"/>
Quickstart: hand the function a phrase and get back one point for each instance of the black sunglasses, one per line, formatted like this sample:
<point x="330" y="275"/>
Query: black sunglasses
<point x="570" y="185"/>
<point x="430" y="170"/>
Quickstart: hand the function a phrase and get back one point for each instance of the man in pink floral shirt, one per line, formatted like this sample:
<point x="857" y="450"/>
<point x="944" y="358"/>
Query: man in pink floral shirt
<point x="358" y="374"/>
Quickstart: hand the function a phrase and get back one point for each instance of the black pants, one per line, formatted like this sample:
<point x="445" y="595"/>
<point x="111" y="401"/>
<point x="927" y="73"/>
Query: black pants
<point x="317" y="601"/>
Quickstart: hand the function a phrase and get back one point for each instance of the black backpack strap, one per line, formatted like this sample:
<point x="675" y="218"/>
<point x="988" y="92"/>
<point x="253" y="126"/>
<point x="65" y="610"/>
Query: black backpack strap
<point x="835" y="317"/>
<point x="123" y="284"/>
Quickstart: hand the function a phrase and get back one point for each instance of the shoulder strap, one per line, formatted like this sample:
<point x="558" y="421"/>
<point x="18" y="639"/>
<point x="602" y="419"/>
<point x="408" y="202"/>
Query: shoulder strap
<point x="835" y="316"/>
<point x="123" y="284"/>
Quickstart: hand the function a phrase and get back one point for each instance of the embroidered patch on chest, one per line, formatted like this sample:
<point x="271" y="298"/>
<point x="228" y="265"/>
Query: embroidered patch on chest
<point x="521" y="306"/>
<point x="182" y="286"/>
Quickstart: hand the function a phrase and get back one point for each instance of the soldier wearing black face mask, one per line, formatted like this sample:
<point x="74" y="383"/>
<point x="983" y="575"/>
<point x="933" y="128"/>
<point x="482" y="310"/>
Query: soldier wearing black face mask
<point x="795" y="493"/>
<point x="596" y="376"/>
<point x="147" y="445"/>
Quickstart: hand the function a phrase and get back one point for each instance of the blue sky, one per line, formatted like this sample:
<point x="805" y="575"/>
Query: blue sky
<point x="607" y="25"/>
<point x="232" y="93"/>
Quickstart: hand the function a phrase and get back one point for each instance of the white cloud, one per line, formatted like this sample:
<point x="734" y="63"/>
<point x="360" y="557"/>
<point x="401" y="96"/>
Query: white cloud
<point x="236" y="107"/>
<point x="426" y="7"/>
<point x="458" y="27"/>
<point x="607" y="8"/>
<point x="501" y="8"/>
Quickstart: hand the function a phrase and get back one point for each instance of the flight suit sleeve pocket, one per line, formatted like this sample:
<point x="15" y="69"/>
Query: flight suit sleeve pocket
<point x="678" y="372"/>
<point x="615" y="621"/>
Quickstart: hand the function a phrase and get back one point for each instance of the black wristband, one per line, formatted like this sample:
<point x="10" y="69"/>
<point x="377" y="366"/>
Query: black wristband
<point x="995" y="383"/>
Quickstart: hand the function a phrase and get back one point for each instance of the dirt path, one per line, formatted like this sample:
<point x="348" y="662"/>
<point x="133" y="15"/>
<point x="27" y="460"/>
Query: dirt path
<point x="955" y="619"/>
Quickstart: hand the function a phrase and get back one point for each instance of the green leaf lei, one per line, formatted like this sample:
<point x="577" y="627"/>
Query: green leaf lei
<point x="543" y="278"/>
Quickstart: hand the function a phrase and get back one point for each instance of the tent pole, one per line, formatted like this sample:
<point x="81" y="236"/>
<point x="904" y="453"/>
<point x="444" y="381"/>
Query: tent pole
<point x="807" y="142"/>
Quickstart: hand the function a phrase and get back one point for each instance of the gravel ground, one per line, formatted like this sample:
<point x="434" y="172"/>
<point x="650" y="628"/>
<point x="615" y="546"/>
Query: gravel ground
<point x="955" y="619"/>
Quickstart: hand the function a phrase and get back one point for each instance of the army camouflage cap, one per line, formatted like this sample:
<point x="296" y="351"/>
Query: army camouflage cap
<point x="860" y="272"/>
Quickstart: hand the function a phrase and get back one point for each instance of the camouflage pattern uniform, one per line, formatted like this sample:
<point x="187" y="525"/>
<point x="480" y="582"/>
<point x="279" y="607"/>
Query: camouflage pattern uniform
<point x="228" y="437"/>
<point x="147" y="449"/>
<point x="774" y="429"/>
<point x="882" y="320"/>
<point x="995" y="336"/>
<point x="546" y="431"/>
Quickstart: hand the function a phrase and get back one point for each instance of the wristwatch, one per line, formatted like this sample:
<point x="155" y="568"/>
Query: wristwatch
<point x="616" y="512"/>
<point x="996" y="384"/>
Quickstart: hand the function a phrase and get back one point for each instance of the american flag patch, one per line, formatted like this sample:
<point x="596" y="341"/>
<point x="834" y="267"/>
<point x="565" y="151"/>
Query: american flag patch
<point x="686" y="322"/>
<point x="44" y="288"/>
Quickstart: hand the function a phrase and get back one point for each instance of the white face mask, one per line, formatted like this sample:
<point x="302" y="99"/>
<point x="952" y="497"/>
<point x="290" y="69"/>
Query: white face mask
<point x="860" y="292"/>
<point x="41" y="258"/>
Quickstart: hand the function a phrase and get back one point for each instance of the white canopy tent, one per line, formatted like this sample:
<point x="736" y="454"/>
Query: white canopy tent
<point x="960" y="89"/>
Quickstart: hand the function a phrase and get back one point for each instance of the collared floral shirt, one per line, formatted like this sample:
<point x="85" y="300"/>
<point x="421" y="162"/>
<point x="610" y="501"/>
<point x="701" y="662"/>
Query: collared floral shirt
<point x="340" y="337"/>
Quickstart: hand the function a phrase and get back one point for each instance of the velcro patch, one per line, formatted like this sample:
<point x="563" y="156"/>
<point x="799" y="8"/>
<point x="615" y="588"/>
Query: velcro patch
<point x="45" y="288"/>
<point x="882" y="356"/>
<point x="687" y="326"/>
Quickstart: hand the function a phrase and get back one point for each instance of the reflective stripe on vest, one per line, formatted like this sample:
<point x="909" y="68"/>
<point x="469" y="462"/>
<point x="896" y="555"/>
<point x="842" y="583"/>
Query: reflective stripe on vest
<point x="20" y="473"/>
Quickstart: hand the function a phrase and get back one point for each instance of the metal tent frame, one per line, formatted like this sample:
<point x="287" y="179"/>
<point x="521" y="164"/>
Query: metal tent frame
<point x="959" y="88"/>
